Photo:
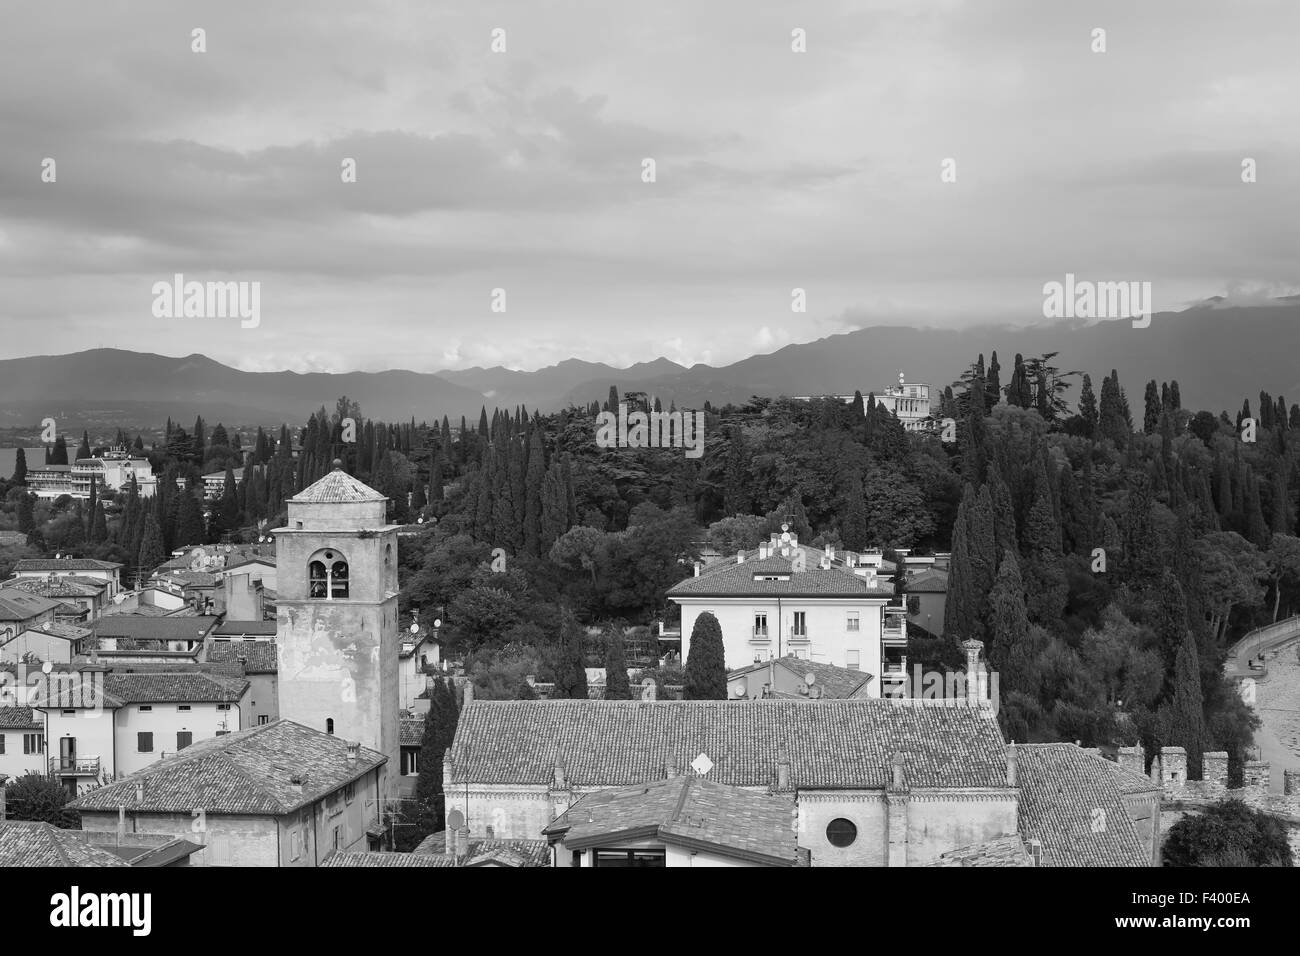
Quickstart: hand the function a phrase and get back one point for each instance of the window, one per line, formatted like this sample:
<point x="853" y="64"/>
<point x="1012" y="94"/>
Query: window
<point x="327" y="576"/>
<point x="223" y="706"/>
<point x="329" y="725"/>
<point x="2" y="743"/>
<point x="295" y="844"/>
<point x="800" y="628"/>
<point x="410" y="761"/>
<point x="853" y="659"/>
<point x="841" y="832"/>
<point x="222" y="733"/>
<point x="69" y="713"/>
<point x="184" y="738"/>
<point x="336" y="838"/>
<point x="144" y="742"/>
<point x="145" y="708"/>
<point x="350" y="792"/>
<point x="628" y="858"/>
<point x="263" y="719"/>
<point x="183" y="707"/>
<point x="33" y="743"/>
<point x="760" y="625"/>
<point x="853" y="622"/>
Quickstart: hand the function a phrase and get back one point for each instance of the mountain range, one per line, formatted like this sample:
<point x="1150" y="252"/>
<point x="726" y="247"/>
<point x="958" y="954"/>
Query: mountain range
<point x="1219" y="353"/>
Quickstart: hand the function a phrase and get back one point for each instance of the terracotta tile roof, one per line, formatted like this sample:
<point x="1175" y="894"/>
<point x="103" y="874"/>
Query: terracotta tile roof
<point x="1130" y="781"/>
<point x="1061" y="789"/>
<point x="338" y="487"/>
<point x="831" y="744"/>
<point x="60" y="587"/>
<point x="235" y="628"/>
<point x="686" y="811"/>
<point x="261" y="655"/>
<point x="836" y="682"/>
<point x="515" y="853"/>
<point x="64" y="564"/>
<point x="725" y="579"/>
<point x="1004" y="851"/>
<point x="141" y="628"/>
<point x="384" y="859"/>
<point x="174" y="687"/>
<point x="19" y="718"/>
<point x="40" y="844"/>
<point x="929" y="581"/>
<point x="249" y="772"/>
<point x="17" y="605"/>
<point x="411" y="731"/>
<point x="140" y="610"/>
<point x="67" y="632"/>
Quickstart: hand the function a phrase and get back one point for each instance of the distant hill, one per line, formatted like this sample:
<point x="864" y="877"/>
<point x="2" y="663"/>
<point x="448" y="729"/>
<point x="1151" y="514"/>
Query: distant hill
<point x="1219" y="355"/>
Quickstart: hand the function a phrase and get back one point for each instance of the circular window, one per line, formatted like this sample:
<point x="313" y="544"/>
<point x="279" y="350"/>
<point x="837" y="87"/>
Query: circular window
<point x="841" y="832"/>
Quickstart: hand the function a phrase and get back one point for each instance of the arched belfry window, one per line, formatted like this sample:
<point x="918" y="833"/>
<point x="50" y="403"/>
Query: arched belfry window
<point x="327" y="576"/>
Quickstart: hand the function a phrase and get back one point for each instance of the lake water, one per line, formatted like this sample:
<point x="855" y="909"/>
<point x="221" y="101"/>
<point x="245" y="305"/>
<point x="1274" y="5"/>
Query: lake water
<point x="35" y="457"/>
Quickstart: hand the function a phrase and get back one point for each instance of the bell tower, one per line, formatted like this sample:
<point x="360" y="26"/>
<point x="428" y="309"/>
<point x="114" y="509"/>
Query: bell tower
<point x="336" y="615"/>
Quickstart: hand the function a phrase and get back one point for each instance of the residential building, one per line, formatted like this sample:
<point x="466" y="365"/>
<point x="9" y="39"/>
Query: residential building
<point x="683" y="821"/>
<point x="788" y="678"/>
<point x="908" y="401"/>
<point x="52" y="481"/>
<point x="256" y="656"/>
<point x="133" y="637"/>
<point x="21" y="611"/>
<point x="336" y="614"/>
<point x="22" y="742"/>
<point x="277" y="795"/>
<point x="785" y="600"/>
<point x="930" y="589"/>
<point x="114" y="470"/>
<point x="89" y="596"/>
<point x="131" y="720"/>
<point x="109" y="572"/>
<point x="41" y="844"/>
<point x="418" y="658"/>
<point x="876" y="782"/>
<point x="52" y="641"/>
<point x="411" y="730"/>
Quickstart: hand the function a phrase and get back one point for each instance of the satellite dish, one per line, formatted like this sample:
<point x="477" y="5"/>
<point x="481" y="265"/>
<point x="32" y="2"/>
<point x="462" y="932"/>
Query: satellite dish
<point x="437" y="622"/>
<point x="455" y="820"/>
<point x="47" y="667"/>
<point x="738" y="690"/>
<point x="810" y="678"/>
<point x="415" y="628"/>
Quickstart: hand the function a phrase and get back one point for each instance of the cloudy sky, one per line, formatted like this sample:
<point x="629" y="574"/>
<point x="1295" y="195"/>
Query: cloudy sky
<point x="522" y="170"/>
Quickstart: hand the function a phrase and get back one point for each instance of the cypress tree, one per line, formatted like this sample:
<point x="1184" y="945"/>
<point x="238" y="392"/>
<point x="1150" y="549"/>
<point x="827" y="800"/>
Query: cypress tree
<point x="59" y="456"/>
<point x="1010" y="648"/>
<point x="555" y="508"/>
<point x="571" y="660"/>
<point x="1256" y="527"/>
<point x="20" y="468"/>
<point x="152" y="552"/>
<point x="1044" y="573"/>
<point x="855" y="512"/>
<point x="26" y="514"/>
<point x="706" y="667"/>
<point x="616" y="682"/>
<point x="1088" y="407"/>
<point x="1004" y="514"/>
<point x="1151" y="414"/>
<point x="992" y="384"/>
<point x="1184" y="723"/>
<point x="534" y="479"/>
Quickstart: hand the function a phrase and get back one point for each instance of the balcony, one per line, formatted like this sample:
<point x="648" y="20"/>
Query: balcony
<point x="800" y="637"/>
<point x="894" y="636"/>
<point x="75" y="766"/>
<point x="759" y="635"/>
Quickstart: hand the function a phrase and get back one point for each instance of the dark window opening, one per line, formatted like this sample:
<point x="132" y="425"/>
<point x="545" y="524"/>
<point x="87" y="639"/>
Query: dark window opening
<point x="841" y="832"/>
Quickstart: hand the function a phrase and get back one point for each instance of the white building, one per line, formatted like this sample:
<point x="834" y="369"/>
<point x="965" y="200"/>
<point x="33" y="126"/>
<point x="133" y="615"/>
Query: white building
<point x="909" y="401"/>
<point x="132" y="720"/>
<point x="789" y="600"/>
<point x="22" y="742"/>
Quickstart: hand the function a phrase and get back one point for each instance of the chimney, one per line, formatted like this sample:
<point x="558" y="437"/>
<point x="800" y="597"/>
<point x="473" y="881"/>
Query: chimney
<point x="121" y="824"/>
<point x="782" y="772"/>
<point x="897" y="774"/>
<point x="670" y="766"/>
<point x="972" y="649"/>
<point x="740" y="557"/>
<point x="297" y="781"/>
<point x="557" y="773"/>
<point x="830" y="552"/>
<point x="762" y="550"/>
<point x="462" y="843"/>
<point x="697" y="569"/>
<point x="468" y="697"/>
<point x="354" y="751"/>
<point x="451" y="842"/>
<point x="139" y="790"/>
<point x="1013" y="768"/>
